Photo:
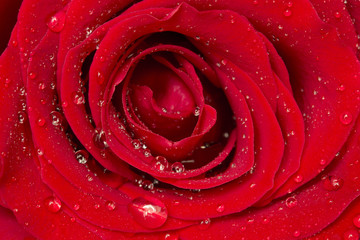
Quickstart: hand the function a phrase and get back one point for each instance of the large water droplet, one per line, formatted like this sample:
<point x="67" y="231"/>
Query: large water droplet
<point x="160" y="163"/>
<point x="291" y="202"/>
<point x="53" y="204"/>
<point x="296" y="234"/>
<point x="57" y="118"/>
<point x="150" y="214"/>
<point x="177" y="167"/>
<point x="99" y="139"/>
<point x="332" y="183"/>
<point x="57" y="22"/>
<point x="82" y="156"/>
<point x="78" y="97"/>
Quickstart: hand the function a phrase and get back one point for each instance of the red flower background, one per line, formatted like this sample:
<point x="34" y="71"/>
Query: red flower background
<point x="180" y="120"/>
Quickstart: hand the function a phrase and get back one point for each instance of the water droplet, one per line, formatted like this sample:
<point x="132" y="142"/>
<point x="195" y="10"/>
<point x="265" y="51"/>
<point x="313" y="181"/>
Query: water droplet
<point x="291" y="202"/>
<point x="197" y="111"/>
<point x="296" y="234"/>
<point x="332" y="183"/>
<point x="322" y="162"/>
<point x="57" y="22"/>
<point x="76" y="207"/>
<point x="97" y="206"/>
<point x="356" y="221"/>
<point x="205" y="224"/>
<point x="160" y="163"/>
<point x="57" y="118"/>
<point x="99" y="139"/>
<point x="341" y="88"/>
<point x="78" y="97"/>
<point x="53" y="204"/>
<point x="351" y="235"/>
<point x="32" y="75"/>
<point x="220" y="208"/>
<point x="177" y="167"/>
<point x="255" y="2"/>
<point x="110" y="205"/>
<point x="40" y="122"/>
<point x="337" y="15"/>
<point x="41" y="86"/>
<point x="72" y="219"/>
<point x="82" y="156"/>
<point x="298" y="179"/>
<point x="14" y="43"/>
<point x="289" y="4"/>
<point x="22" y="117"/>
<point x="346" y="118"/>
<point x="136" y="143"/>
<point x="150" y="214"/>
<point x="287" y="13"/>
<point x="172" y="236"/>
<point x="100" y="77"/>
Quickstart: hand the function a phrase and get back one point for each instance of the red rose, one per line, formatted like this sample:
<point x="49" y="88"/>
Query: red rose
<point x="211" y="119"/>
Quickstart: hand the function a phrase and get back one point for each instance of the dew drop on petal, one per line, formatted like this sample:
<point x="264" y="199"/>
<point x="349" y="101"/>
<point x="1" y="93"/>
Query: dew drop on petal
<point x="296" y="234"/>
<point x="220" y="208"/>
<point x="298" y="179"/>
<point x="149" y="214"/>
<point x="136" y="143"/>
<point x="356" y="221"/>
<point x="337" y="15"/>
<point x="82" y="156"/>
<point x="351" y="235"/>
<point x="287" y="13"/>
<point x="110" y="205"/>
<point x="40" y="122"/>
<point x="205" y="224"/>
<point x="53" y="204"/>
<point x="177" y="167"/>
<point x="171" y="236"/>
<point x="32" y="75"/>
<point x="160" y="163"/>
<point x="78" y="97"/>
<point x="332" y="183"/>
<point x="99" y="139"/>
<point x="57" y="22"/>
<point x="346" y="118"/>
<point x="291" y="202"/>
<point x="76" y="207"/>
<point x="57" y="118"/>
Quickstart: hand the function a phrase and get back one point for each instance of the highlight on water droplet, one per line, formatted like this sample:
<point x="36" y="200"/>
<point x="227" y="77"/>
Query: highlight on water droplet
<point x="346" y="118"/>
<point x="57" y="22"/>
<point x="53" y="204"/>
<point x="150" y="213"/>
